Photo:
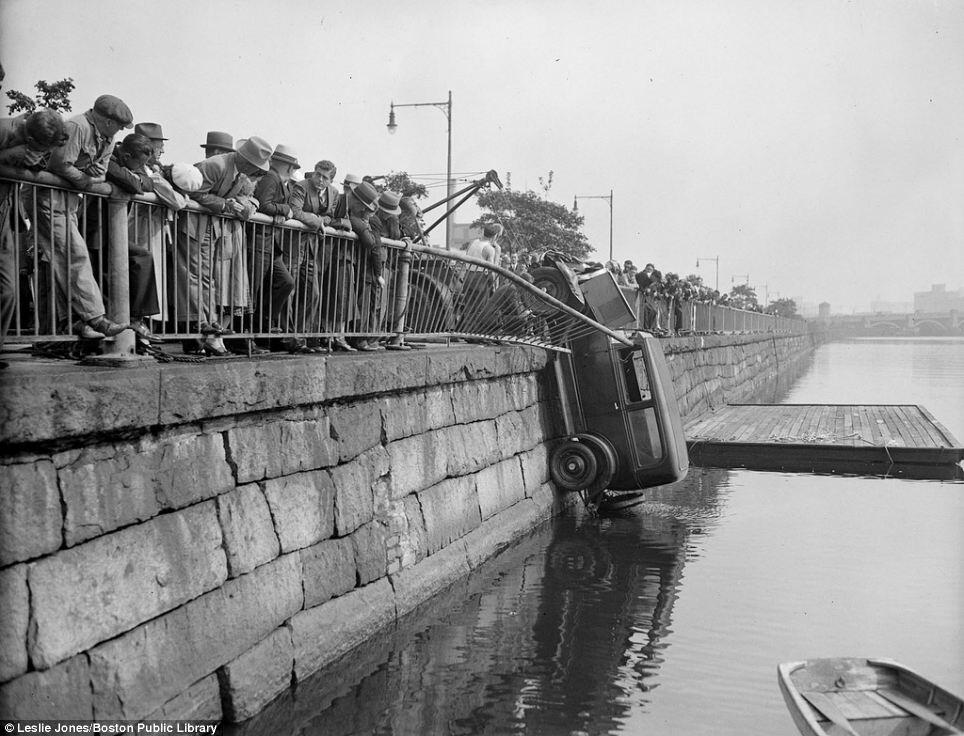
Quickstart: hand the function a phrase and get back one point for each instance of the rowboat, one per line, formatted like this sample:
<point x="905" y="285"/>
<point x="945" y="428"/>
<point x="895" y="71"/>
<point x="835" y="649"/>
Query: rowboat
<point x="866" y="697"/>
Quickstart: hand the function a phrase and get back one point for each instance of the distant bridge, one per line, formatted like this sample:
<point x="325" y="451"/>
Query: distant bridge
<point x="885" y="323"/>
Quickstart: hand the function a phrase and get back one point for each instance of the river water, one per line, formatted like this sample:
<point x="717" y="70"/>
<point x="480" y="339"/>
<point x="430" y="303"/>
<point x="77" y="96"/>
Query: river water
<point x="672" y="618"/>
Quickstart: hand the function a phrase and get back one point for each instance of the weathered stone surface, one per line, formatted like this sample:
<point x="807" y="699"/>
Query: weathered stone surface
<point x="501" y="531"/>
<point x="328" y="570"/>
<point x="30" y="513"/>
<point x="136" y="673"/>
<point x="522" y="391"/>
<point x="354" y="497"/>
<point x="416" y="584"/>
<point x="473" y="401"/>
<point x="282" y="447"/>
<point x="404" y="415"/>
<point x="14" y="614"/>
<point x="450" y="510"/>
<point x="200" y="702"/>
<point x="258" y="676"/>
<point x="407" y="542"/>
<point x="61" y="693"/>
<point x="369" y="544"/>
<point x="324" y="633"/>
<point x="499" y="486"/>
<point x="191" y="392"/>
<point x="550" y="502"/>
<point x="471" y="447"/>
<point x="108" y="487"/>
<point x="512" y="436"/>
<point x="356" y="427"/>
<point x="68" y="401"/>
<point x="533" y="431"/>
<point x="418" y="461"/>
<point x="458" y="364"/>
<point x="510" y="359"/>
<point x="375" y="374"/>
<point x="303" y="507"/>
<point x="106" y="586"/>
<point x="535" y="468"/>
<point x="247" y="529"/>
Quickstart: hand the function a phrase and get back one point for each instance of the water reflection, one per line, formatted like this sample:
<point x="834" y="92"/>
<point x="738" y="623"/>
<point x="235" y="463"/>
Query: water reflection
<point x="565" y="633"/>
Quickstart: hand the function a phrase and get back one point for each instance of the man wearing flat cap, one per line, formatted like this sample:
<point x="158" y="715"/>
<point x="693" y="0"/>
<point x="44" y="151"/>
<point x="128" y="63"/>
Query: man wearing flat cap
<point x="82" y="161"/>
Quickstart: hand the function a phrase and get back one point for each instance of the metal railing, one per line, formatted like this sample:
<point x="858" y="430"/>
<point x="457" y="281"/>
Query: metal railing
<point x="189" y="273"/>
<point x="682" y="316"/>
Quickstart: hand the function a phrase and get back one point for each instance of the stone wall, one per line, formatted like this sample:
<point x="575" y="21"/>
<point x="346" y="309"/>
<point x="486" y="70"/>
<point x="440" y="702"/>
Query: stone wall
<point x="185" y="541"/>
<point x="712" y="370"/>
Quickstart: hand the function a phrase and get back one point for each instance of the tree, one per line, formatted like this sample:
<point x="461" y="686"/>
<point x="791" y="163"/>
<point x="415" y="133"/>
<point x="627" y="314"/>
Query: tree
<point x="695" y="280"/>
<point x="783" y="308"/>
<point x="400" y="181"/>
<point x="743" y="296"/>
<point x="55" y="96"/>
<point x="533" y="223"/>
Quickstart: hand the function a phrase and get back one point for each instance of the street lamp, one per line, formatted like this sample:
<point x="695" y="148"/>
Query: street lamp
<point x="609" y="197"/>
<point x="715" y="260"/>
<point x="445" y="107"/>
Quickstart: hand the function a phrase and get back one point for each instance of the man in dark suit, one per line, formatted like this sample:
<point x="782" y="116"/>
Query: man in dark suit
<point x="313" y="203"/>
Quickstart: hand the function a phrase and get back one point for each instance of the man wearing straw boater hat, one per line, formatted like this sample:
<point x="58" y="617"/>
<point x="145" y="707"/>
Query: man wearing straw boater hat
<point x="225" y="177"/>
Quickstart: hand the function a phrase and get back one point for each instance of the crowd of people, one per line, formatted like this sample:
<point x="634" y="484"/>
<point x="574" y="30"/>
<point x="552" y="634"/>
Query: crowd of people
<point x="224" y="275"/>
<point x="211" y="272"/>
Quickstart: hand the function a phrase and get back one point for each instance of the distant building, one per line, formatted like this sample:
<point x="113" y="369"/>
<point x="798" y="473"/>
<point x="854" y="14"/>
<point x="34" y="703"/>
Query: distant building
<point x="939" y="300"/>
<point x="464" y="232"/>
<point x="823" y="310"/>
<point x="879" y="306"/>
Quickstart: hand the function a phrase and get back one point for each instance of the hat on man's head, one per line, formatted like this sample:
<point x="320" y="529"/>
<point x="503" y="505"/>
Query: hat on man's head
<point x="150" y="130"/>
<point x="186" y="177"/>
<point x="256" y="151"/>
<point x="219" y="141"/>
<point x="491" y="229"/>
<point x="115" y="109"/>
<point x="286" y="155"/>
<point x="366" y="194"/>
<point x="388" y="203"/>
<point x="352" y="180"/>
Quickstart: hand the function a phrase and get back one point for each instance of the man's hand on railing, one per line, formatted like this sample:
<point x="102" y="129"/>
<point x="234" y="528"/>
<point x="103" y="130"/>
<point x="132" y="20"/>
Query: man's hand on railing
<point x="102" y="187"/>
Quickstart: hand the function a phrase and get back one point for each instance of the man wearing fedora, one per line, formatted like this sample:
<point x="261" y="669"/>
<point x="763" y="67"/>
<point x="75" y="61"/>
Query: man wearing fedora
<point x="225" y="178"/>
<point x="153" y="132"/>
<point x="313" y="203"/>
<point x="82" y="161"/>
<point x="362" y="202"/>
<point x="271" y="279"/>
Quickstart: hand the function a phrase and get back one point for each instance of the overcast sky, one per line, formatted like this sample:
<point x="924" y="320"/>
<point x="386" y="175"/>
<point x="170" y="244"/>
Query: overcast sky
<point x="812" y="144"/>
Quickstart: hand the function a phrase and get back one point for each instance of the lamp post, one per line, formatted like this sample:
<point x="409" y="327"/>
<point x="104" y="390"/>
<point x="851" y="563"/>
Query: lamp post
<point x="609" y="197"/>
<point x="446" y="108"/>
<point x="715" y="260"/>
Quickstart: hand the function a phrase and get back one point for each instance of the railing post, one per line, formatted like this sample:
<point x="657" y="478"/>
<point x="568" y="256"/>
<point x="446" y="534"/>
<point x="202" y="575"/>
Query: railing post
<point x="119" y="302"/>
<point x="400" y="307"/>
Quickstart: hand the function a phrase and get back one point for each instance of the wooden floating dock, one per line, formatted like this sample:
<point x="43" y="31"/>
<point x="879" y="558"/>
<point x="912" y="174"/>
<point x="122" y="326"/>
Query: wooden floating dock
<point x="901" y="439"/>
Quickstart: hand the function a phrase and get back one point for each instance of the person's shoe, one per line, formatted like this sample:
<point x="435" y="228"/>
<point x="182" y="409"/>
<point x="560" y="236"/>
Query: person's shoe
<point x="341" y="345"/>
<point x="364" y="347"/>
<point x="208" y="328"/>
<point x="294" y="345"/>
<point x="106" y="327"/>
<point x="245" y="346"/>
<point x="85" y="332"/>
<point x="193" y="346"/>
<point x="214" y="346"/>
<point x="140" y="329"/>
